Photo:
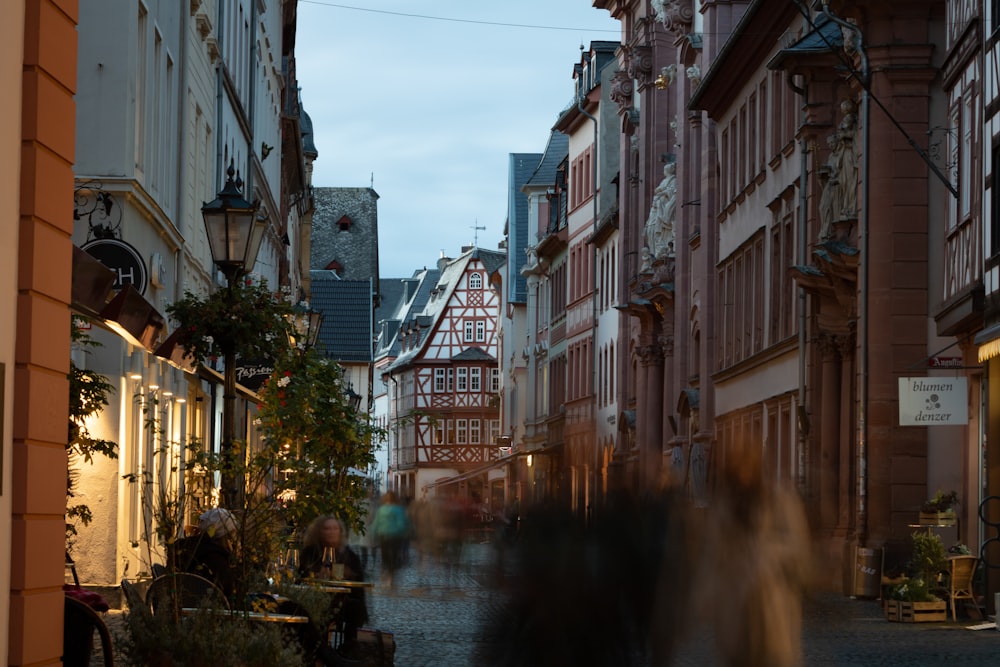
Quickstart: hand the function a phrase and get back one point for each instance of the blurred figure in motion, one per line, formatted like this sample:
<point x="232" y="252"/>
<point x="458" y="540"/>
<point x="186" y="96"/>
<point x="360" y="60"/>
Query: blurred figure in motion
<point x="759" y="566"/>
<point x="627" y="589"/>
<point x="584" y="595"/>
<point x="390" y="529"/>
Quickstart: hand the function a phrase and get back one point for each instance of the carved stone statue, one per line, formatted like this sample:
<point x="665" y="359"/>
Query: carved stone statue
<point x="848" y="167"/>
<point x="660" y="224"/>
<point x="839" y="175"/>
<point x="829" y="180"/>
<point x="647" y="261"/>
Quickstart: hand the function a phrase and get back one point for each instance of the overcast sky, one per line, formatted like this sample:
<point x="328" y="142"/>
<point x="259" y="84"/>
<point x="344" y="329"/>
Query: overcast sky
<point x="425" y="99"/>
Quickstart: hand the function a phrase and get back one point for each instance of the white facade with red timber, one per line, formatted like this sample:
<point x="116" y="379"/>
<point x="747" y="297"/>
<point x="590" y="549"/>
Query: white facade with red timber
<point x="443" y="411"/>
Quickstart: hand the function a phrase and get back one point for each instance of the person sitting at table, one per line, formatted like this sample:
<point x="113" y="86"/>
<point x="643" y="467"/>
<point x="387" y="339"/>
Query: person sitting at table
<point x="209" y="551"/>
<point x="329" y="532"/>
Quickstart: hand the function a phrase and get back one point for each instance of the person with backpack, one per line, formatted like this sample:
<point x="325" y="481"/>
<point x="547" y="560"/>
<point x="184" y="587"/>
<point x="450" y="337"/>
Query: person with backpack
<point x="390" y="530"/>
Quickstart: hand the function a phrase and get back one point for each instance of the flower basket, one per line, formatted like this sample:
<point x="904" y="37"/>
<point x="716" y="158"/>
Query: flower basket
<point x="905" y="611"/>
<point x="945" y="518"/>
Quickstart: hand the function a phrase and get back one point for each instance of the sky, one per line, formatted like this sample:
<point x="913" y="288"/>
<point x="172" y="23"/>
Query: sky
<point x="424" y="100"/>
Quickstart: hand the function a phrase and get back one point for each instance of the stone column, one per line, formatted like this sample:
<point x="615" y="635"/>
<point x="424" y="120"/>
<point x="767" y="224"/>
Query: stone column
<point x="651" y="415"/>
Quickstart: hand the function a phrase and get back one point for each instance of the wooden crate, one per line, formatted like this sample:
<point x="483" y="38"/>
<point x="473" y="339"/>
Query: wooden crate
<point x="947" y="518"/>
<point x="903" y="611"/>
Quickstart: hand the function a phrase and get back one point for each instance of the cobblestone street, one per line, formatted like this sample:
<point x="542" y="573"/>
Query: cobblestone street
<point x="435" y="612"/>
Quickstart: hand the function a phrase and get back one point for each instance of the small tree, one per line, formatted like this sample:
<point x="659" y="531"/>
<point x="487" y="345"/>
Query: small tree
<point x="317" y="438"/>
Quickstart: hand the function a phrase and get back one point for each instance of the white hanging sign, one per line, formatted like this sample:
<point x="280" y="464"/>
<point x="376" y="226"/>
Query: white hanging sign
<point x="933" y="401"/>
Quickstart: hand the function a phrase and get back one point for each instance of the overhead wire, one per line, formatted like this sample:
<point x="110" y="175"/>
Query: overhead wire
<point x="454" y="20"/>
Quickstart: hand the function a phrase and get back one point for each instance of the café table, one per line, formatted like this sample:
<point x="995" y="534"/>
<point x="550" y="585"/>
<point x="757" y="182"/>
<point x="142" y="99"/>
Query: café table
<point x="257" y="616"/>
<point x="340" y="583"/>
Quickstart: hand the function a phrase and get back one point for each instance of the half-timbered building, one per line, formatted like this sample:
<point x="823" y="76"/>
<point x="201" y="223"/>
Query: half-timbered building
<point x="443" y="416"/>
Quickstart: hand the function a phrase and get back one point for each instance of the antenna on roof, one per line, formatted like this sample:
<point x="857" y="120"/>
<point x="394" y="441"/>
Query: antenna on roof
<point x="373" y="181"/>
<point x="475" y="235"/>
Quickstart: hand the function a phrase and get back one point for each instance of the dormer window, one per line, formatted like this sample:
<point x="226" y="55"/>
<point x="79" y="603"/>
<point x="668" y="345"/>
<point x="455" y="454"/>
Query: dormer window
<point x="345" y="223"/>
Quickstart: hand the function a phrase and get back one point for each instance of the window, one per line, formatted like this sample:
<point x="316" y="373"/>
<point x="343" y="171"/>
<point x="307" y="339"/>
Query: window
<point x="469" y="331"/>
<point x="480" y="331"/>
<point x="475" y="281"/>
<point x="475" y="433"/>
<point x="451" y="379"/>
<point x="740" y="290"/>
<point x="439" y="380"/>
<point x="463" y="379"/>
<point x="475" y="380"/>
<point x="494" y="380"/>
<point x="450" y="426"/>
<point x="494" y="429"/>
<point x="461" y="431"/>
<point x="439" y="433"/>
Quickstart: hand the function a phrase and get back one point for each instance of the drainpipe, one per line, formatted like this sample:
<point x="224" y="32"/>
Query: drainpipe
<point x="593" y="293"/>
<point x="862" y="448"/>
<point x="802" y="251"/>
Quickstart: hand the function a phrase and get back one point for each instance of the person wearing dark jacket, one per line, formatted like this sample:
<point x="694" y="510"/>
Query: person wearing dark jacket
<point x="208" y="552"/>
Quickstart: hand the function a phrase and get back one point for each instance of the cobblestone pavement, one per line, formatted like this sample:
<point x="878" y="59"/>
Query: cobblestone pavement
<point x="435" y="611"/>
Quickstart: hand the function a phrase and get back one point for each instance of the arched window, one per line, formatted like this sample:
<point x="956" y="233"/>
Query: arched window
<point x="475" y="281"/>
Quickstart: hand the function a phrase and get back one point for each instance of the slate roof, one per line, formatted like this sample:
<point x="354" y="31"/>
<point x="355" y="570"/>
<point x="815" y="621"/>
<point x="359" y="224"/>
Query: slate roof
<point x="521" y="168"/>
<point x="354" y="249"/>
<point x="346" y="332"/>
<point x="473" y="354"/>
<point x="401" y="300"/>
<point x="306" y="129"/>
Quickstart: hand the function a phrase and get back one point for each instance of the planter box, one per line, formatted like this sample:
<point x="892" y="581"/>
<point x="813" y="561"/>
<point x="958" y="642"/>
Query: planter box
<point x="903" y="611"/>
<point x="946" y="518"/>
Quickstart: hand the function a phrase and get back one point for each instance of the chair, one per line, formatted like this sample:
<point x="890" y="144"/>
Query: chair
<point x="79" y="624"/>
<point x="961" y="570"/>
<point x="183" y="589"/>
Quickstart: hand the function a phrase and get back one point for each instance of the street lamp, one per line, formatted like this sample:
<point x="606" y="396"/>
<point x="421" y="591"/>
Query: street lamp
<point x="354" y="398"/>
<point x="306" y="324"/>
<point x="234" y="236"/>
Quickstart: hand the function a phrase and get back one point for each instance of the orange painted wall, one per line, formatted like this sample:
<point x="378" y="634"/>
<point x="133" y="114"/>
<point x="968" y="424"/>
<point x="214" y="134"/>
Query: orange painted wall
<point x="42" y="344"/>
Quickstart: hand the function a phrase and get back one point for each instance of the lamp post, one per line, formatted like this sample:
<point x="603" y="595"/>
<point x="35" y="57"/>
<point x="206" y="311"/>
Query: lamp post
<point x="234" y="236"/>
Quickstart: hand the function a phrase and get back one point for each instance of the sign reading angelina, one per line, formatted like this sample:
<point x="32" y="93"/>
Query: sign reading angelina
<point x="933" y="401"/>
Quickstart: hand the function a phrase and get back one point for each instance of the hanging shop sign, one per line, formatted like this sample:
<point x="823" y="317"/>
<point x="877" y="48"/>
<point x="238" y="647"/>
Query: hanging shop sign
<point x="933" y="401"/>
<point x="123" y="259"/>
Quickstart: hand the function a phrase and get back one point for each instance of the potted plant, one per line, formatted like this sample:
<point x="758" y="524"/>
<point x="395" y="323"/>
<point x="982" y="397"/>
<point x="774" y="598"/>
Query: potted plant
<point x="939" y="510"/>
<point x="913" y="600"/>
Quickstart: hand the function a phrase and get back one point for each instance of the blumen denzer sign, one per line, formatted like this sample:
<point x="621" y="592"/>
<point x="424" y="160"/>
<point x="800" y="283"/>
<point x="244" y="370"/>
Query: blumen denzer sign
<point x="933" y="401"/>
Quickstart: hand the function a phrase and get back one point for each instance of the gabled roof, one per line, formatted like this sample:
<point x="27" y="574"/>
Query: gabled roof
<point x="445" y="288"/>
<point x="402" y="298"/>
<point x="346" y="332"/>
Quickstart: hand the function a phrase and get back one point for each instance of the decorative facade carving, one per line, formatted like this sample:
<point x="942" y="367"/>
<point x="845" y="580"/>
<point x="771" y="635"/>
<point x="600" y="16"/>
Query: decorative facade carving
<point x="639" y="65"/>
<point x="621" y="91"/>
<point x="666" y="342"/>
<point x="677" y="16"/>
<point x="650" y="355"/>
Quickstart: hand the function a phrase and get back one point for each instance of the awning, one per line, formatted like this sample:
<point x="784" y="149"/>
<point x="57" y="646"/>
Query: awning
<point x="133" y="318"/>
<point x="475" y="472"/>
<point x="174" y="353"/>
<point x="92" y="283"/>
<point x="988" y="342"/>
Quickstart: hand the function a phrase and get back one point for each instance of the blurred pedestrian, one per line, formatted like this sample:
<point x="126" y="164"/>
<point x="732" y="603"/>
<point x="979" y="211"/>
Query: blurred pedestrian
<point x="390" y="529"/>
<point x="758" y="565"/>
